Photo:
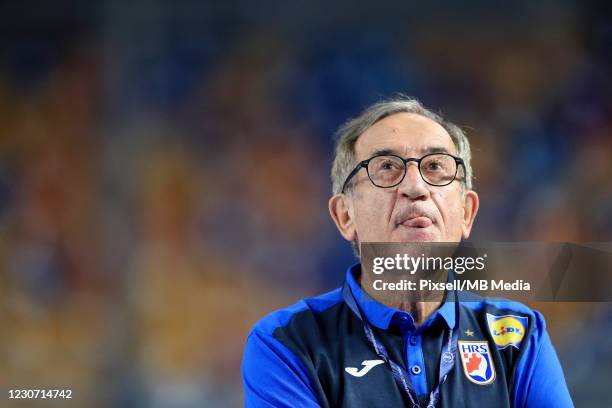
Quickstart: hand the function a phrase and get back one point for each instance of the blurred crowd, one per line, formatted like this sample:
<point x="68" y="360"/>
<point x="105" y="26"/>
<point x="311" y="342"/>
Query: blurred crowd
<point x="164" y="172"/>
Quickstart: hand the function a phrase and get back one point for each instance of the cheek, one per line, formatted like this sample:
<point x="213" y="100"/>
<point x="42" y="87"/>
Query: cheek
<point x="449" y="206"/>
<point x="441" y="201"/>
<point x="372" y="212"/>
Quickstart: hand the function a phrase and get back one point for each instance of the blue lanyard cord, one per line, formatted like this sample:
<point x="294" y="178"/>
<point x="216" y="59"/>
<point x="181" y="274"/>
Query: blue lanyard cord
<point x="447" y="357"/>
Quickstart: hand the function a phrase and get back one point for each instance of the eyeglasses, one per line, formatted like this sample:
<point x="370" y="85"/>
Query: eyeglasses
<point x="386" y="171"/>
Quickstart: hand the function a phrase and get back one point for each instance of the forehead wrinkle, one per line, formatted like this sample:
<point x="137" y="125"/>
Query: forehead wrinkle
<point x="422" y="151"/>
<point x="412" y="126"/>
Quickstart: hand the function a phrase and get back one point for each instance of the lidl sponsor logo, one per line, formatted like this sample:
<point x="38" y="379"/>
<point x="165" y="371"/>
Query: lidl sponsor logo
<point x="477" y="361"/>
<point x="507" y="330"/>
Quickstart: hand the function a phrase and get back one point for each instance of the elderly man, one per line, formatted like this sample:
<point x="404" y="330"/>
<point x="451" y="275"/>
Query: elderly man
<point x="402" y="174"/>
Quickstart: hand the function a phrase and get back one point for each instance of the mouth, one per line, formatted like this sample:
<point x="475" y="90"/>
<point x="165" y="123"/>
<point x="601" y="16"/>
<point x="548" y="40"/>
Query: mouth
<point x="419" y="221"/>
<point x="415" y="217"/>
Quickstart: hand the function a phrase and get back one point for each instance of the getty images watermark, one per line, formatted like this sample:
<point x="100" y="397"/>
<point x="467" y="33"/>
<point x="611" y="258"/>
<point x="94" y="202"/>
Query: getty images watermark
<point x="524" y="271"/>
<point x="404" y="263"/>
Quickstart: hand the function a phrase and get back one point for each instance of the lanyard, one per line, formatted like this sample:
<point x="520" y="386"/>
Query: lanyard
<point x="447" y="357"/>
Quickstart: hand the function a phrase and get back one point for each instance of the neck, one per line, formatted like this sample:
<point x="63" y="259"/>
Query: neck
<point x="420" y="311"/>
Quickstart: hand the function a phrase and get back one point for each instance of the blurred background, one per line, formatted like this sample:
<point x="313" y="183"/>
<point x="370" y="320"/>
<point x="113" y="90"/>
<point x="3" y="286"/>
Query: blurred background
<point x="164" y="171"/>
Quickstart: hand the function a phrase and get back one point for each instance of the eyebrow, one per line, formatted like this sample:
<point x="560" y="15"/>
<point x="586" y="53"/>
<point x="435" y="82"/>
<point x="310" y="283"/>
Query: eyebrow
<point x="427" y="150"/>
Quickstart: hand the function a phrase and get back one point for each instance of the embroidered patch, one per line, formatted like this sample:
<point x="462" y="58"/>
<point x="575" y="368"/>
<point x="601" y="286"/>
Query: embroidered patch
<point x="507" y="330"/>
<point x="477" y="361"/>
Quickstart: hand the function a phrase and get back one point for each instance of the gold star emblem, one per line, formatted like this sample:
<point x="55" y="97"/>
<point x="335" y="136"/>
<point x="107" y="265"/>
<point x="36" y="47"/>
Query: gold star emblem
<point x="469" y="333"/>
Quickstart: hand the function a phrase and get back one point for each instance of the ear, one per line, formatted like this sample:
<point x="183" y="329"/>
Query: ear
<point x="470" y="208"/>
<point x="341" y="211"/>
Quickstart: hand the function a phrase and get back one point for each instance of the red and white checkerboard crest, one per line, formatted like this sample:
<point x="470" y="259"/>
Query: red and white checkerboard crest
<point x="477" y="361"/>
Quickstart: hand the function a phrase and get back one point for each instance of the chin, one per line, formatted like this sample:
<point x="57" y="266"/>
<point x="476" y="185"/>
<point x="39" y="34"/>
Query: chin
<point x="417" y="235"/>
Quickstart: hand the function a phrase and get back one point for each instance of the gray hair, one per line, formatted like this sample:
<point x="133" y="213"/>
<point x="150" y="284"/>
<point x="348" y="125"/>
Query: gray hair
<point x="348" y="133"/>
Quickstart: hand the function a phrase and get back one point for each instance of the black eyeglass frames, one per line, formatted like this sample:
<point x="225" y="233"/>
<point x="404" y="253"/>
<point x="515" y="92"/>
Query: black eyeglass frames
<point x="388" y="170"/>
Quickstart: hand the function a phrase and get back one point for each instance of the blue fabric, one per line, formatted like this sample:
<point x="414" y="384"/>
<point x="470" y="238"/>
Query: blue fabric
<point x="274" y="376"/>
<point x="383" y="316"/>
<point x="539" y="377"/>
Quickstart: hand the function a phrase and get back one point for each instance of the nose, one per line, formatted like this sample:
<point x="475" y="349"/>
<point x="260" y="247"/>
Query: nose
<point x="413" y="186"/>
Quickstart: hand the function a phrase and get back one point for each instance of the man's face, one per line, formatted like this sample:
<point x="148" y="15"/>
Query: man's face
<point x="413" y="211"/>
